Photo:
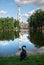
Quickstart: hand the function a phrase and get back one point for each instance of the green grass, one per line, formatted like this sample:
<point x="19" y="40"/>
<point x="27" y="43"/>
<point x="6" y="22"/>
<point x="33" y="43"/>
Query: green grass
<point x="30" y="60"/>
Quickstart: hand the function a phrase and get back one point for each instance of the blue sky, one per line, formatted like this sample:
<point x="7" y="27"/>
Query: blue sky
<point x="9" y="8"/>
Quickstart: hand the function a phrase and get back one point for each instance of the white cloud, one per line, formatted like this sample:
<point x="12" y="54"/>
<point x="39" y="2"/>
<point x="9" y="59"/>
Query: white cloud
<point x="29" y="13"/>
<point x="17" y="0"/>
<point x="3" y="12"/>
<point x="25" y="15"/>
<point x="42" y="7"/>
<point x="38" y="2"/>
<point x="3" y="43"/>
<point x="35" y="2"/>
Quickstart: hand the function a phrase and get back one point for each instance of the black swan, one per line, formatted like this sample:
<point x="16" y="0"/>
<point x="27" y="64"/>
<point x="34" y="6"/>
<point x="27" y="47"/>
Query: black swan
<point x="23" y="53"/>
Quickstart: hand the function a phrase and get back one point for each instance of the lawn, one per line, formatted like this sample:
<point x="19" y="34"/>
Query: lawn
<point x="30" y="60"/>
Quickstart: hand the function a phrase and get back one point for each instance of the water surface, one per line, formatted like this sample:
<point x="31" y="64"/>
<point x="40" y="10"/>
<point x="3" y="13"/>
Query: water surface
<point x="9" y="46"/>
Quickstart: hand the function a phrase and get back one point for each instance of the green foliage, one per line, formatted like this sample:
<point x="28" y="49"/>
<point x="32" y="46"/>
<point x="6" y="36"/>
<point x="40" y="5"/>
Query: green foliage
<point x="16" y="34"/>
<point x="17" y="25"/>
<point x="37" y="38"/>
<point x="9" y="27"/>
<point x="30" y="60"/>
<point x="36" y="23"/>
<point x="9" y="35"/>
<point x="9" y="24"/>
<point x="6" y="24"/>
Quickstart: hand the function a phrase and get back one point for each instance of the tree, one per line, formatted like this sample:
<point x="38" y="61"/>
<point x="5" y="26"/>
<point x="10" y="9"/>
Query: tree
<point x="36" y="22"/>
<point x="17" y="25"/>
<point x="7" y="24"/>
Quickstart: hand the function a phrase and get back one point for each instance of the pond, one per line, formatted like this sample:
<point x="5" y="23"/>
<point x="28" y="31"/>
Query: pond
<point x="10" y="42"/>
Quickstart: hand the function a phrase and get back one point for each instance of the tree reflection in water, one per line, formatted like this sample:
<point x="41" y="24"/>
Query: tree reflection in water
<point x="9" y="35"/>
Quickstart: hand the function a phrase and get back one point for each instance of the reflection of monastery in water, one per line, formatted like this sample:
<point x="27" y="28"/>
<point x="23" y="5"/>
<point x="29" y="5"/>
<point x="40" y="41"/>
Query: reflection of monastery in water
<point x="24" y="27"/>
<point x="24" y="31"/>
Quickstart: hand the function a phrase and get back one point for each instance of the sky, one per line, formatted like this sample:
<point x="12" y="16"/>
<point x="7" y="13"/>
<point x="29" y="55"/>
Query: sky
<point x="8" y="8"/>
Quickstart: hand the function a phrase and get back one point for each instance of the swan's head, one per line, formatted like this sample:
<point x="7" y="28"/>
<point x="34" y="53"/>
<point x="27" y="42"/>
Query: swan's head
<point x="23" y="47"/>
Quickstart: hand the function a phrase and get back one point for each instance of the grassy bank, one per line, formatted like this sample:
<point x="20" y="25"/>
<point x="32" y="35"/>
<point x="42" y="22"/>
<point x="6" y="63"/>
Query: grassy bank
<point x="30" y="60"/>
